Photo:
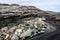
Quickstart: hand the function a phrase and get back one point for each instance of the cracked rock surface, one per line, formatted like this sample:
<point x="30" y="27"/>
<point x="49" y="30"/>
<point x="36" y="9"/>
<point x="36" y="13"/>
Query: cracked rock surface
<point x="21" y="22"/>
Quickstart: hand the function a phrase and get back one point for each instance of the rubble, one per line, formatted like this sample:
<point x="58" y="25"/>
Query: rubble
<point x="21" y="21"/>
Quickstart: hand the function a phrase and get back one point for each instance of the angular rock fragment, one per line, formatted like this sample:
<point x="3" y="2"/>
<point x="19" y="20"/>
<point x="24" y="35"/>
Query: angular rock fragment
<point x="11" y="30"/>
<point x="27" y="33"/>
<point x="4" y="29"/>
<point x="14" y="37"/>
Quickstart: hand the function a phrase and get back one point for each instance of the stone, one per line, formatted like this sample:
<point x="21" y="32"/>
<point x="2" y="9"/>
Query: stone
<point x="0" y="33"/>
<point x="35" y="25"/>
<point x="42" y="31"/>
<point x="4" y="29"/>
<point x="26" y="33"/>
<point x="7" y="36"/>
<point x="18" y="31"/>
<point x="12" y="29"/>
<point x="48" y="30"/>
<point x="19" y="26"/>
<point x="43" y="28"/>
<point x="15" y="37"/>
<point x="1" y="38"/>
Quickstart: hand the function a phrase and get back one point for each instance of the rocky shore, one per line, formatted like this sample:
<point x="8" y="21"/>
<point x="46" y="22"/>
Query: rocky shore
<point x="19" y="22"/>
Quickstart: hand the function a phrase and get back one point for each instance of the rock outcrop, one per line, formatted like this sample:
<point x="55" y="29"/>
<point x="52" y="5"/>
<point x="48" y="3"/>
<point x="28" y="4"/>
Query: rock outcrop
<point x="18" y="22"/>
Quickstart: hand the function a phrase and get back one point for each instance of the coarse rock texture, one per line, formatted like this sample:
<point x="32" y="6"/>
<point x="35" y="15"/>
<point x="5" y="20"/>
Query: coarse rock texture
<point x="20" y="22"/>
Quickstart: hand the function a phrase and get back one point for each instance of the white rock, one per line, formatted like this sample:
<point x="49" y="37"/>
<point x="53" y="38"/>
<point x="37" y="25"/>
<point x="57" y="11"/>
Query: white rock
<point x="42" y="31"/>
<point x="18" y="31"/>
<point x="12" y="29"/>
<point x="7" y="36"/>
<point x="4" y="29"/>
<point x="43" y="28"/>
